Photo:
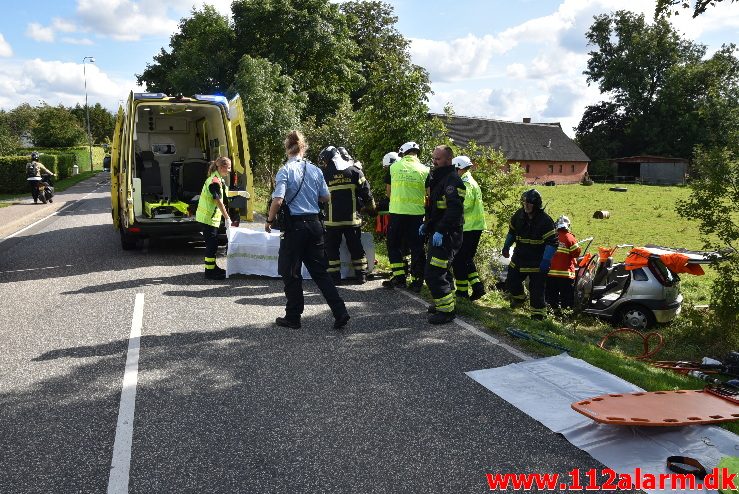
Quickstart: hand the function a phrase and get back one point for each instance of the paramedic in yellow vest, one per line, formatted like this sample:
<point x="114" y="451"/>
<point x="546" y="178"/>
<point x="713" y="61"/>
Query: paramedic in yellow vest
<point x="405" y="185"/>
<point x="465" y="271"/>
<point x="212" y="206"/>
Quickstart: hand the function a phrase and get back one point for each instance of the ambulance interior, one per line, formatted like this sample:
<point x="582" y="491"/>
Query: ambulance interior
<point x="173" y="145"/>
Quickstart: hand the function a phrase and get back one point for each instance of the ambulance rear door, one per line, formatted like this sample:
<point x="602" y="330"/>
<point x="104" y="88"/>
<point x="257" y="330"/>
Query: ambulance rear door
<point x="240" y="154"/>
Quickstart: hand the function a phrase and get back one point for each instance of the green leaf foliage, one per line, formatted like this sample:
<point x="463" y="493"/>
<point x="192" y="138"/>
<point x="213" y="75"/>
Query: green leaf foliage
<point x="56" y="126"/>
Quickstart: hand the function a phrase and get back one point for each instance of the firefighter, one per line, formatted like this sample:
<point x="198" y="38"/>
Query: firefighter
<point x="443" y="225"/>
<point x="535" y="237"/>
<point x="560" y="286"/>
<point x="465" y="271"/>
<point x="404" y="184"/>
<point x="350" y="192"/>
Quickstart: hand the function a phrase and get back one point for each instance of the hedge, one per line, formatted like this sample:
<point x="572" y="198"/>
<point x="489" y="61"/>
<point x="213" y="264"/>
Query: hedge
<point x="13" y="173"/>
<point x="58" y="160"/>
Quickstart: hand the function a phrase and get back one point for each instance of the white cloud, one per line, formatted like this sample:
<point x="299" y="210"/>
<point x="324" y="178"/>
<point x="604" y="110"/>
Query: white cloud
<point x="63" y="25"/>
<point x="58" y="82"/>
<point x="5" y="49"/>
<point x="38" y="32"/>
<point x="516" y="71"/>
<point x="126" y="20"/>
<point x="77" y="41"/>
<point x="457" y="59"/>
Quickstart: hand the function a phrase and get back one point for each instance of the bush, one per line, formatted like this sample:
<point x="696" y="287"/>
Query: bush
<point x="13" y="174"/>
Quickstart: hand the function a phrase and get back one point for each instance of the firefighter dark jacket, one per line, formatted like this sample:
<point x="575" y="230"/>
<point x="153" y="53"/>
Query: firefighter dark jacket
<point x="446" y="202"/>
<point x="532" y="236"/>
<point x="350" y="192"/>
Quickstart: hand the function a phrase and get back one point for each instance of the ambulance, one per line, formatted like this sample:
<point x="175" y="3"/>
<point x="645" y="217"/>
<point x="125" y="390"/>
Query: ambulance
<point x="161" y="150"/>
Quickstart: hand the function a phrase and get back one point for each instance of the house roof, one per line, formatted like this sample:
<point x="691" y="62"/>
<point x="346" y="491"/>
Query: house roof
<point x="519" y="141"/>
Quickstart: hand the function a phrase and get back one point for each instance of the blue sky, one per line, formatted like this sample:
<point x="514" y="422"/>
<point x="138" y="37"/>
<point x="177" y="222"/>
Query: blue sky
<point x="488" y="58"/>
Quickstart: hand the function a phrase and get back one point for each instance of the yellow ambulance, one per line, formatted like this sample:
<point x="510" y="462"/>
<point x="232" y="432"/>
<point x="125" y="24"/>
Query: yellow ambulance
<point x="161" y="150"/>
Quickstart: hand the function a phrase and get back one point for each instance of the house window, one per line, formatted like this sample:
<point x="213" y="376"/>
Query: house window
<point x="573" y="168"/>
<point x="527" y="168"/>
<point x="551" y="168"/>
<point x="560" y="168"/>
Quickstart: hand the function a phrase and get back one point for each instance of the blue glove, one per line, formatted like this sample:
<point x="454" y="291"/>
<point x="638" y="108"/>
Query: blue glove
<point x="422" y="230"/>
<point x="546" y="260"/>
<point x="437" y="239"/>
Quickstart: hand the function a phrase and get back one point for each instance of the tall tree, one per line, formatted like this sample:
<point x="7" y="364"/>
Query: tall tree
<point x="272" y="108"/>
<point x="202" y="57"/>
<point x="56" y="126"/>
<point x="102" y="122"/>
<point x="309" y="39"/>
<point x="670" y="7"/>
<point x="8" y="141"/>
<point x="372" y="27"/>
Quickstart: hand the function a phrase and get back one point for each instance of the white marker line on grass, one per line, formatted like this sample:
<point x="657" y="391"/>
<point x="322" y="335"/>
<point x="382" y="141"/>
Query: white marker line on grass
<point x="120" y="467"/>
<point x="475" y="331"/>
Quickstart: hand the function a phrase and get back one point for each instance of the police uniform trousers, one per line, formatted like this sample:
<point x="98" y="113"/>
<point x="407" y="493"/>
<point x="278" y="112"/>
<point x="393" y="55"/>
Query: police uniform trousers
<point x="402" y="232"/>
<point x="437" y="270"/>
<point x="302" y="242"/>
<point x="537" y="280"/>
<point x="465" y="271"/>
<point x="560" y="292"/>
<point x="353" y="235"/>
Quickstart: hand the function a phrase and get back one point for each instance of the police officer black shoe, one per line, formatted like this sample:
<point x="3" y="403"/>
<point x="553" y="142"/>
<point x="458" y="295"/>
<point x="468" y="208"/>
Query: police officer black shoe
<point x="478" y="290"/>
<point x="395" y="281"/>
<point x="341" y="321"/>
<point x="287" y="323"/>
<point x="219" y="270"/>
<point x="212" y="274"/>
<point x="416" y="285"/>
<point x="441" y="317"/>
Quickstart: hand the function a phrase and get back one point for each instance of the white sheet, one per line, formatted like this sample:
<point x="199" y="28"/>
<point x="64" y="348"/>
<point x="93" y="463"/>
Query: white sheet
<point x="553" y="383"/>
<point x="255" y="252"/>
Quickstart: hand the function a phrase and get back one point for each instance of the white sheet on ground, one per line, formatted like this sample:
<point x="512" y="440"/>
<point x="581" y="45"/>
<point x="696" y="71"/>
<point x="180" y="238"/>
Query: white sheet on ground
<point x="552" y="384"/>
<point x="255" y="252"/>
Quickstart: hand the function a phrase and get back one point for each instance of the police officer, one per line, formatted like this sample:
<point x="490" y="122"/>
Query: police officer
<point x="465" y="271"/>
<point x="302" y="241"/>
<point x="443" y="224"/>
<point x="350" y="192"/>
<point x="212" y="206"/>
<point x="405" y="187"/>
<point x="536" y="242"/>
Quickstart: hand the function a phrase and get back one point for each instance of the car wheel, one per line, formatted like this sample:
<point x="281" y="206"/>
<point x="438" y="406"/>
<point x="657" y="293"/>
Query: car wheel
<point x="636" y="317"/>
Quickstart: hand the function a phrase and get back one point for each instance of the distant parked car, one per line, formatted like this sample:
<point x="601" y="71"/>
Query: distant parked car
<point x="106" y="163"/>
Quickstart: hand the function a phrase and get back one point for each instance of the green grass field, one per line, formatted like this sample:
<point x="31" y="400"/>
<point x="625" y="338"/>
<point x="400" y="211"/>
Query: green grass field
<point x="642" y="215"/>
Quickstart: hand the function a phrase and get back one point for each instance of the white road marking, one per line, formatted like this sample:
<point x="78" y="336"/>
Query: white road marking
<point x="121" y="464"/>
<point x="46" y="217"/>
<point x="475" y="331"/>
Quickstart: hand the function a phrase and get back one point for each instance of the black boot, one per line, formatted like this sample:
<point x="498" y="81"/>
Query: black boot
<point x="212" y="274"/>
<point x="478" y="290"/>
<point x="395" y="281"/>
<point x="441" y="317"/>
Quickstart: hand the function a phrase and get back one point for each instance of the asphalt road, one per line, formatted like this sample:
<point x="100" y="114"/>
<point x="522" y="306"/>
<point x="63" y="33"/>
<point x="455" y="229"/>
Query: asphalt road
<point x="225" y="401"/>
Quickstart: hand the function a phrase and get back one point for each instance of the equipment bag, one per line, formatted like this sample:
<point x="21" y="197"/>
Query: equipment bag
<point x="32" y="169"/>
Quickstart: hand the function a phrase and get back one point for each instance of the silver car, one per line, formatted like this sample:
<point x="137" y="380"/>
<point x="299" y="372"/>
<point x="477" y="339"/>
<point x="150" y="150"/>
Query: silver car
<point x="638" y="298"/>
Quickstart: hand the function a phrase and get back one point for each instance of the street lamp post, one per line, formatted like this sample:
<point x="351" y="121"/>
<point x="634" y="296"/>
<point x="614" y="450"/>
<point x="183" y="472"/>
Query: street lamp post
<point x="87" y="108"/>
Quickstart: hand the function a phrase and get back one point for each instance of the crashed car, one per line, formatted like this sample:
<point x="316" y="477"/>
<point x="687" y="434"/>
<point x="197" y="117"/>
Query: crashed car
<point x="639" y="292"/>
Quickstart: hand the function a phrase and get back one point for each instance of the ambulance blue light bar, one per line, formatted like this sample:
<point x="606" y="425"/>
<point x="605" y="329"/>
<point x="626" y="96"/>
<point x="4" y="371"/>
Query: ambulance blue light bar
<point x="221" y="100"/>
<point x="149" y="96"/>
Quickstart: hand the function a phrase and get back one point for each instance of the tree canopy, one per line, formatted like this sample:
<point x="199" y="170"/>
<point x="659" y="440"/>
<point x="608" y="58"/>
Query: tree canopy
<point x="673" y="7"/>
<point x="56" y="126"/>
<point x="662" y="96"/>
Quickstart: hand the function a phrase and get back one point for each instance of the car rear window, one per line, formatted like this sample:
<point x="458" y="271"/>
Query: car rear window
<point x="663" y="274"/>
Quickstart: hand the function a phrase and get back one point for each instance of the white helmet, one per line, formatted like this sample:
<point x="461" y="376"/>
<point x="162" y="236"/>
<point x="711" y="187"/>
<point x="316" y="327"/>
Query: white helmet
<point x="461" y="162"/>
<point x="389" y="159"/>
<point x="563" y="222"/>
<point x="408" y="146"/>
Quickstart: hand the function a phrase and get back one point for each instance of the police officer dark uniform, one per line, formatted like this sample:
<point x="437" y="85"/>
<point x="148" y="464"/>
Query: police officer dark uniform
<point x="536" y="242"/>
<point x="301" y="183"/>
<point x="444" y="222"/>
<point x="350" y="192"/>
<point x="405" y="186"/>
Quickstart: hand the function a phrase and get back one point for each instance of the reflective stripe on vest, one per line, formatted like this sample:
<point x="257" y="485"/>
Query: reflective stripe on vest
<point x="408" y="186"/>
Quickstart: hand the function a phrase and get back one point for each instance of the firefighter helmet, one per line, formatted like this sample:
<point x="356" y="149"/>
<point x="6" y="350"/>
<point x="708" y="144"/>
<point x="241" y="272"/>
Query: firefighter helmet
<point x="327" y="155"/>
<point x="461" y="162"/>
<point x="35" y="156"/>
<point x="389" y="159"/>
<point x="563" y="222"/>
<point x="345" y="154"/>
<point x="532" y="196"/>
<point x="409" y="146"/>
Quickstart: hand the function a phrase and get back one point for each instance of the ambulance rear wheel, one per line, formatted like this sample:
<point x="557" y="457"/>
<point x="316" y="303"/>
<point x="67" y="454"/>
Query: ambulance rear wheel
<point x="128" y="241"/>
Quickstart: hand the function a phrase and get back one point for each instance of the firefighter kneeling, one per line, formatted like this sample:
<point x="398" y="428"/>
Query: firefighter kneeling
<point x="444" y="221"/>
